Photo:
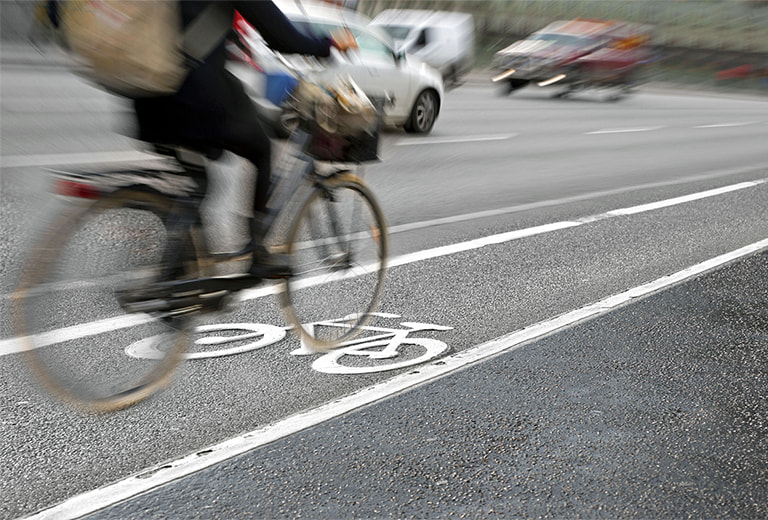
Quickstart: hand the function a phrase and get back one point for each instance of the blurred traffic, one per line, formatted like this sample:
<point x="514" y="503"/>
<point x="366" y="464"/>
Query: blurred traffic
<point x="415" y="88"/>
<point x="577" y="53"/>
<point x="715" y="44"/>
<point x="444" y="40"/>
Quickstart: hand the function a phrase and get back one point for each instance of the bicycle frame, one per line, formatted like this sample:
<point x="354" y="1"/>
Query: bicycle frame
<point x="207" y="293"/>
<point x="186" y="190"/>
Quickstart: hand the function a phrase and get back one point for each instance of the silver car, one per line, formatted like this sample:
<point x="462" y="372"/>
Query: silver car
<point x="415" y="88"/>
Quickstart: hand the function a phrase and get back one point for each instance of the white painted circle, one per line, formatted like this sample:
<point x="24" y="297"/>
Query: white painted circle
<point x="149" y="348"/>
<point x="329" y="363"/>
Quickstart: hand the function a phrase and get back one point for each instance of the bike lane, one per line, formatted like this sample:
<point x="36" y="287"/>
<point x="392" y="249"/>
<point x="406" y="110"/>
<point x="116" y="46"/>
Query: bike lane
<point x="654" y="410"/>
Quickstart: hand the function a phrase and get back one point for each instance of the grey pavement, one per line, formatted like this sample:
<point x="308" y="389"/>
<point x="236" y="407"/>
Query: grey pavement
<point x="656" y="410"/>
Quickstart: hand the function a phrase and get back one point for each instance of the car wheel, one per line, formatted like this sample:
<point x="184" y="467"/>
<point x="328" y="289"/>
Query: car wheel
<point x="423" y="113"/>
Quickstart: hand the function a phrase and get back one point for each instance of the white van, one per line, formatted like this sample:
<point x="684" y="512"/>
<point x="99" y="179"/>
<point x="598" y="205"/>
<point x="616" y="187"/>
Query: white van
<point x="443" y="39"/>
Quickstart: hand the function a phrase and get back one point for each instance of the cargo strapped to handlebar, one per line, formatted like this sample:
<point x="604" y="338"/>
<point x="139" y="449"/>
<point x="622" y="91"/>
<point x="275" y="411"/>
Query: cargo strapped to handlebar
<point x="343" y="123"/>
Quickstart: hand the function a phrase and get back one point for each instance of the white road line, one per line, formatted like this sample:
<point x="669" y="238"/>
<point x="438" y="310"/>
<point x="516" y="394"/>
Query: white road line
<point x="726" y="125"/>
<point x="454" y="219"/>
<point x="84" y="330"/>
<point x="686" y="198"/>
<point x="66" y="159"/>
<point x="469" y="245"/>
<point x="451" y="140"/>
<point x="165" y="473"/>
<point x="16" y="345"/>
<point x="624" y="130"/>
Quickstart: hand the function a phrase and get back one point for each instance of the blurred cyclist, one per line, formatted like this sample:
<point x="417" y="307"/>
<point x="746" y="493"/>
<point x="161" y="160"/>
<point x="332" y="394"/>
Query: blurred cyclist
<point x="212" y="109"/>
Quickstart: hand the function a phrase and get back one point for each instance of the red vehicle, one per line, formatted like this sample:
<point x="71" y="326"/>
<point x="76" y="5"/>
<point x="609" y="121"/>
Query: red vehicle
<point x="577" y="54"/>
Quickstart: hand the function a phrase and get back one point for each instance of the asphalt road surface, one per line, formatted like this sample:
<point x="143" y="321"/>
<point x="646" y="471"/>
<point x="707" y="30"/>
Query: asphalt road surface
<point x="594" y="270"/>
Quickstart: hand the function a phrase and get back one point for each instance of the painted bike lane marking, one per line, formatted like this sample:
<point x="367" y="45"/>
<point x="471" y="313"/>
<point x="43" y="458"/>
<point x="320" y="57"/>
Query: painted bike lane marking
<point x="15" y="345"/>
<point x="157" y="476"/>
<point x="380" y="345"/>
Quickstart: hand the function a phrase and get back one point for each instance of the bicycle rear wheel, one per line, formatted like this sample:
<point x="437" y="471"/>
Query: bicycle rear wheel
<point x="338" y="249"/>
<point x="68" y="306"/>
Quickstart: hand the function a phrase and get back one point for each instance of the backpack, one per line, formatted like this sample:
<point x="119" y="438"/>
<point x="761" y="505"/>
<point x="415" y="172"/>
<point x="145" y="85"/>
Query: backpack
<point x="137" y="48"/>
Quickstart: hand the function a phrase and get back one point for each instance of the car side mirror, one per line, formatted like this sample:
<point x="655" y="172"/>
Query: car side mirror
<point x="399" y="56"/>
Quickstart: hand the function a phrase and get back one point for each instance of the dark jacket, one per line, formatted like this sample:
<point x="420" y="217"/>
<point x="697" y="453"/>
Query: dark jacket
<point x="211" y="98"/>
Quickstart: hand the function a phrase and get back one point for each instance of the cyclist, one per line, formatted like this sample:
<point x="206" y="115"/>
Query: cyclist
<point x="212" y="109"/>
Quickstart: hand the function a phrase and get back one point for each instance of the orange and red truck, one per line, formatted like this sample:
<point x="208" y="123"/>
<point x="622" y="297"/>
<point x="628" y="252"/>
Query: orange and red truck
<point x="577" y="54"/>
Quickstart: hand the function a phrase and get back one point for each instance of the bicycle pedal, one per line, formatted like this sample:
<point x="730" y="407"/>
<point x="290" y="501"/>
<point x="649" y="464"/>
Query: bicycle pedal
<point x="181" y="305"/>
<point x="260" y="272"/>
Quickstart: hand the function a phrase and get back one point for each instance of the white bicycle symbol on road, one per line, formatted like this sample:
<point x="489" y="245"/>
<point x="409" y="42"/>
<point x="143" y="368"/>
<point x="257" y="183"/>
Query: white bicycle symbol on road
<point x="379" y="349"/>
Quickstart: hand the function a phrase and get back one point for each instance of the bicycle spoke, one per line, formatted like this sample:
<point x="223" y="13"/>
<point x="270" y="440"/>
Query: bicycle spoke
<point x="70" y="309"/>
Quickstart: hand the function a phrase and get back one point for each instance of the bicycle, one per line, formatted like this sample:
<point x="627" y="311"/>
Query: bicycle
<point x="378" y="351"/>
<point x="128" y="259"/>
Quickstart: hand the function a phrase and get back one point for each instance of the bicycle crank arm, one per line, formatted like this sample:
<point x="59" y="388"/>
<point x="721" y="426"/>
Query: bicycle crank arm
<point x="195" y="287"/>
<point x="186" y="296"/>
<point x="204" y="302"/>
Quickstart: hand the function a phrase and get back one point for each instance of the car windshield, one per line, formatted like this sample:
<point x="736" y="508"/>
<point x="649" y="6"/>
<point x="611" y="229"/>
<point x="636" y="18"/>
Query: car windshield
<point x="564" y="39"/>
<point x="369" y="45"/>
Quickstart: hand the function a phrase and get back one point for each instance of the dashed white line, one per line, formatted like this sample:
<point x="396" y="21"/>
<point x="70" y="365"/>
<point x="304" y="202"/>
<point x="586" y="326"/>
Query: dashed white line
<point x="686" y="198"/>
<point x="452" y="140"/>
<point x="66" y="159"/>
<point x="726" y="125"/>
<point x="454" y="219"/>
<point x="157" y="476"/>
<point x="624" y="130"/>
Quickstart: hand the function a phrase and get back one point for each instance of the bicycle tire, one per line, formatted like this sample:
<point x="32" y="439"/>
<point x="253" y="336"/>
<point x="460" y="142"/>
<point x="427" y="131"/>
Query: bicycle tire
<point x="67" y="305"/>
<point x="338" y="249"/>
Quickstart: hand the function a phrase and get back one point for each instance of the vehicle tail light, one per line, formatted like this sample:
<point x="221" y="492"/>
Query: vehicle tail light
<point x="241" y="51"/>
<point x="77" y="189"/>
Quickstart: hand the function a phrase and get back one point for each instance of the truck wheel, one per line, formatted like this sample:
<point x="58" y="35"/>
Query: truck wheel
<point x="511" y="85"/>
<point x="451" y="79"/>
<point x="423" y="113"/>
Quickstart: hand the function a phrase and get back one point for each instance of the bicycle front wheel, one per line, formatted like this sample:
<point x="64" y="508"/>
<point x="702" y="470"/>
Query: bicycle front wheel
<point x="338" y="250"/>
<point x="69" y="305"/>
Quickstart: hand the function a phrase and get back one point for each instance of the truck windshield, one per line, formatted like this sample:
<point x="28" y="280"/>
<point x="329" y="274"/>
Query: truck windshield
<point x="564" y="39"/>
<point x="397" y="32"/>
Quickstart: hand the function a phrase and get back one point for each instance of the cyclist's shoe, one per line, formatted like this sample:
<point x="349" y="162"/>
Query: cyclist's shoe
<point x="269" y="265"/>
<point x="256" y="233"/>
<point x="245" y="250"/>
